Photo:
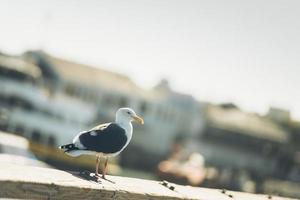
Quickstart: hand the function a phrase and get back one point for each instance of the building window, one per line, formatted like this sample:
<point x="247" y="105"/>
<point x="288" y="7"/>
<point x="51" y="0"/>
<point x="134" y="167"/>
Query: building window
<point x="51" y="141"/>
<point x="160" y="112"/>
<point x="71" y="90"/>
<point x="108" y="100"/>
<point x="3" y="126"/>
<point x="19" y="130"/>
<point x="36" y="136"/>
<point x="123" y="102"/>
<point x="92" y="96"/>
<point x="143" y="107"/>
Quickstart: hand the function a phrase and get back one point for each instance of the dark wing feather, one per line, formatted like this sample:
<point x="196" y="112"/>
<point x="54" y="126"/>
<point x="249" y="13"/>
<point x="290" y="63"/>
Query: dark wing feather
<point x="105" y="139"/>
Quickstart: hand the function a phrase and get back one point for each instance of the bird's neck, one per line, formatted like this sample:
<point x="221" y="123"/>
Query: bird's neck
<point x="126" y="124"/>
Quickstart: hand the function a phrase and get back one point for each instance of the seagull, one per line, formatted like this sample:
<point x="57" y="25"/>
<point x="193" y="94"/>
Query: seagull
<point x="105" y="140"/>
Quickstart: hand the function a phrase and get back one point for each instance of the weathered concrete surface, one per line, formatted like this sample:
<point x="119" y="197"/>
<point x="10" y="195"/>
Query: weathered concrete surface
<point x="41" y="183"/>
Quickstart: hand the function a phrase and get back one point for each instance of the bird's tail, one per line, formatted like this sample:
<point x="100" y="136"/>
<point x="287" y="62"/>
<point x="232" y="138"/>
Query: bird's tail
<point x="68" y="147"/>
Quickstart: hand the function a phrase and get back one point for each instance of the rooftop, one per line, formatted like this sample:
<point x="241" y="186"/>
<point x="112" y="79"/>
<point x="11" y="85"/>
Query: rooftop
<point x="19" y="65"/>
<point x="246" y="123"/>
<point x="75" y="72"/>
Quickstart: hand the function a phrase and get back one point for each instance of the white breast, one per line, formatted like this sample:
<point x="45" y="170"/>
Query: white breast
<point x="128" y="131"/>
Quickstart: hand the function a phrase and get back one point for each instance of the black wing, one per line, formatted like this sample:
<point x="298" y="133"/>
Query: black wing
<point x="107" y="139"/>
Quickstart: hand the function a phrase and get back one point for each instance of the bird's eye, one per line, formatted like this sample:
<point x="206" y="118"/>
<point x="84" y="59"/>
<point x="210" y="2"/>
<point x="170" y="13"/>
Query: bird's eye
<point x="128" y="113"/>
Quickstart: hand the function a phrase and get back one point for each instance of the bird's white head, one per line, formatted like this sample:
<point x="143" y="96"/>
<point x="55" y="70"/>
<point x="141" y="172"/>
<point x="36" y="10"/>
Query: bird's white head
<point x="128" y="115"/>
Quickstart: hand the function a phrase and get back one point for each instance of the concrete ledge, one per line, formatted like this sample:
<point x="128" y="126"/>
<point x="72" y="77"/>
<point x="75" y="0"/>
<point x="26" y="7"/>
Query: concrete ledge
<point x="41" y="183"/>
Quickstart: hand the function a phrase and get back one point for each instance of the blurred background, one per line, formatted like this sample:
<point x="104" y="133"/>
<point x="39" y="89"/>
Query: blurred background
<point x="217" y="83"/>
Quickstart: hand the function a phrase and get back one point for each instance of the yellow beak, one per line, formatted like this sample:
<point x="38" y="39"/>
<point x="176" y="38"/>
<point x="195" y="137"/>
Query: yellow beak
<point x="138" y="119"/>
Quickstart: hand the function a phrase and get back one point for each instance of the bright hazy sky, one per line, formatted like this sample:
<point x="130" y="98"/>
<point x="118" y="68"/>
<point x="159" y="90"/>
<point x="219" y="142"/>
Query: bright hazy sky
<point x="245" y="51"/>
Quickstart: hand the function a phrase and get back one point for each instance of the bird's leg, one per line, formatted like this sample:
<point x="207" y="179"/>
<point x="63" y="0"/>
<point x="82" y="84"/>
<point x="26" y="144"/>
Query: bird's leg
<point x="105" y="168"/>
<point x="97" y="165"/>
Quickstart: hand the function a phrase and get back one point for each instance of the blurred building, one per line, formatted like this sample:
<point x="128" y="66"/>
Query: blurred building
<point x="66" y="97"/>
<point x="279" y="115"/>
<point x="237" y="142"/>
<point x="49" y="100"/>
<point x="283" y="118"/>
<point x="32" y="109"/>
<point x="167" y="114"/>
